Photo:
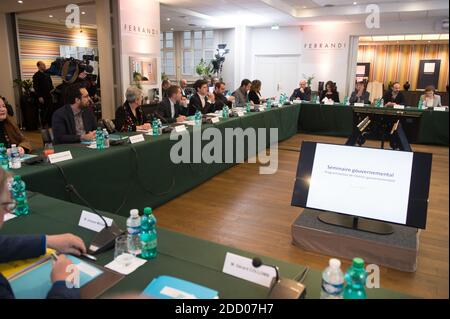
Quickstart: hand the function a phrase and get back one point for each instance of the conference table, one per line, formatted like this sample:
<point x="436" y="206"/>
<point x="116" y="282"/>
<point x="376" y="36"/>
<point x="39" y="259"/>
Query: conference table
<point x="338" y="120"/>
<point x="136" y="176"/>
<point x="179" y="255"/>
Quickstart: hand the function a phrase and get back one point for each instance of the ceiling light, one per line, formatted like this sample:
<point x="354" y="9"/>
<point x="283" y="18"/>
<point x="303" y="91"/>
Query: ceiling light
<point x="430" y="37"/>
<point x="20" y="1"/>
<point x="413" y="37"/>
<point x="171" y="29"/>
<point x="83" y="12"/>
<point x="168" y="19"/>
<point x="380" y="38"/>
<point x="355" y="3"/>
<point x="276" y="27"/>
<point x="50" y="16"/>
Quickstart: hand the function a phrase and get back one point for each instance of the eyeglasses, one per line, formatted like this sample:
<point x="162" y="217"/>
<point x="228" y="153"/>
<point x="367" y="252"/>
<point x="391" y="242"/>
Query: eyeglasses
<point x="9" y="206"/>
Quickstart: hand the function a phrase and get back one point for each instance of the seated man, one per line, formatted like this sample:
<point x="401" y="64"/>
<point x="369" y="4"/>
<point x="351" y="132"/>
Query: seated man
<point x="13" y="248"/>
<point x="221" y="99"/>
<point x="130" y="117"/>
<point x="360" y="95"/>
<point x="165" y="85"/>
<point x="170" y="107"/>
<point x="303" y="93"/>
<point x="241" y="94"/>
<point x="394" y="96"/>
<point x="74" y="123"/>
<point x="202" y="101"/>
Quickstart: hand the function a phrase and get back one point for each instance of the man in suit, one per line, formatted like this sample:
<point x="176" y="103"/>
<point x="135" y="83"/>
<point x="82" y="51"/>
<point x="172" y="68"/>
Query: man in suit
<point x="394" y="96"/>
<point x="241" y="94"/>
<point x="43" y="85"/>
<point x="74" y="123"/>
<point x="183" y="87"/>
<point x="165" y="85"/>
<point x="221" y="99"/>
<point x="202" y="100"/>
<point x="170" y="107"/>
<point x="303" y="93"/>
<point x="19" y="247"/>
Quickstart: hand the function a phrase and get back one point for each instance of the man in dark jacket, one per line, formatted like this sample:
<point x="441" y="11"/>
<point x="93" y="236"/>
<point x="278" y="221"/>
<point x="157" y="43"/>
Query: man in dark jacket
<point x="74" y="123"/>
<point x="303" y="93"/>
<point x="43" y="85"/>
<point x="170" y="107"/>
<point x="202" y="101"/>
<point x="13" y="248"/>
<point x="221" y="99"/>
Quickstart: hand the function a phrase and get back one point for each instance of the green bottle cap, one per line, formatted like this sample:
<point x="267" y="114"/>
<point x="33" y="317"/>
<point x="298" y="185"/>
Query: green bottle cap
<point x="358" y="263"/>
<point x="17" y="178"/>
<point x="148" y="211"/>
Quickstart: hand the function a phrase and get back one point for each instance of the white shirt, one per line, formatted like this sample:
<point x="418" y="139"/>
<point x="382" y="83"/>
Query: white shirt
<point x="172" y="109"/>
<point x="203" y="100"/>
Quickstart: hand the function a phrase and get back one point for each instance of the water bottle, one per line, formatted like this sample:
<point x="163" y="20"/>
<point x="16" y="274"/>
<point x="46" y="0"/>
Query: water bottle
<point x="99" y="138"/>
<point x="148" y="237"/>
<point x="332" y="281"/>
<point x="346" y="101"/>
<point x="134" y="232"/>
<point x="233" y="104"/>
<point x="4" y="161"/>
<point x="269" y="103"/>
<point x="14" y="161"/>
<point x="356" y="280"/>
<point x="420" y="105"/>
<point x="155" y="128"/>
<point x="247" y="107"/>
<point x="225" y="112"/>
<point x="317" y="99"/>
<point x="198" y="118"/>
<point x="105" y="138"/>
<point x="382" y="103"/>
<point x="18" y="190"/>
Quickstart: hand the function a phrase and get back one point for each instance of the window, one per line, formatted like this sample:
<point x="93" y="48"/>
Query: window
<point x="197" y="45"/>
<point x="168" y="62"/>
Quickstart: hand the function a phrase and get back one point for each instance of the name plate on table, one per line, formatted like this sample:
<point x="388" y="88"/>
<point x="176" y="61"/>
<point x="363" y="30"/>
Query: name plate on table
<point x="297" y="101"/>
<point x="9" y="217"/>
<point x="60" y="157"/>
<point x="180" y="128"/>
<point x="137" y="139"/>
<point x="240" y="114"/>
<point x="399" y="107"/>
<point x="215" y="120"/>
<point x="359" y="104"/>
<point x="439" y="108"/>
<point x="242" y="267"/>
<point x="93" y="222"/>
<point x="262" y="108"/>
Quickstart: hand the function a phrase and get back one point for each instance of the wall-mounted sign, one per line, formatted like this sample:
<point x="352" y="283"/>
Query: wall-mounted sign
<point x="325" y="45"/>
<point x="139" y="30"/>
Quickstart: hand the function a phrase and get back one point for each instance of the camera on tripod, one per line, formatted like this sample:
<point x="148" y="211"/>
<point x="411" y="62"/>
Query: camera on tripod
<point x="70" y="68"/>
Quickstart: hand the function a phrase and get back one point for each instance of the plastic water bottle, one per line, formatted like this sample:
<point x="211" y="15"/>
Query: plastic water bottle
<point x="18" y="190"/>
<point x="159" y="127"/>
<point x="382" y="103"/>
<point x="99" y="139"/>
<point x="317" y="99"/>
<point x="155" y="127"/>
<point x="356" y="280"/>
<point x="247" y="107"/>
<point x="420" y="105"/>
<point x="269" y="103"/>
<point x="15" y="162"/>
<point x="149" y="238"/>
<point x="198" y="118"/>
<point x="4" y="161"/>
<point x="134" y="232"/>
<point x="332" y="281"/>
<point x="225" y="112"/>
<point x="346" y="101"/>
<point x="105" y="138"/>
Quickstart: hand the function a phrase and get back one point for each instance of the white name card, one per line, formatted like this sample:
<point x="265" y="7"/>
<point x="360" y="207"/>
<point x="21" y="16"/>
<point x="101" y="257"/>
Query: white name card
<point x="9" y="217"/>
<point x="180" y="128"/>
<point x="137" y="139"/>
<point x="297" y="101"/>
<point x="242" y="267"/>
<point x="215" y="120"/>
<point x="399" y="107"/>
<point x="439" y="108"/>
<point x="359" y="104"/>
<point x="93" y="222"/>
<point x="240" y="114"/>
<point x="60" y="157"/>
<point x="262" y="108"/>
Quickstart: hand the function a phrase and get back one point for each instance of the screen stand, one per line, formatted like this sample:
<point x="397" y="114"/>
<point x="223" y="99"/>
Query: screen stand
<point x="356" y="223"/>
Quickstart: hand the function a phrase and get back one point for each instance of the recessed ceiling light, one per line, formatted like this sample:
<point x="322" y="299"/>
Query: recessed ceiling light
<point x="171" y="29"/>
<point x="355" y="3"/>
<point x="83" y="12"/>
<point x="168" y="19"/>
<point x="20" y="1"/>
<point x="304" y="7"/>
<point x="50" y="16"/>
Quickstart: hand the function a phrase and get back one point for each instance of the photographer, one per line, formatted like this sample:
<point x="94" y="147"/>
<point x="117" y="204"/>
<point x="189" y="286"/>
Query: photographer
<point x="43" y="85"/>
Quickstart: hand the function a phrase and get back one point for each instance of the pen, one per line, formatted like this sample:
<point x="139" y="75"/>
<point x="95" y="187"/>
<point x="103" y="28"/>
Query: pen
<point x="89" y="257"/>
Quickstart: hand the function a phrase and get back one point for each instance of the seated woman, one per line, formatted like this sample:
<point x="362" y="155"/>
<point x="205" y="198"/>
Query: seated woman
<point x="10" y="134"/>
<point x="360" y="95"/>
<point x="130" y="116"/>
<point x="254" y="95"/>
<point x="430" y="99"/>
<point x="330" y="92"/>
<point x="19" y="247"/>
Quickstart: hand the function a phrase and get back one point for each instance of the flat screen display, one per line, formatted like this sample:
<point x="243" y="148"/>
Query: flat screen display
<point x="385" y="185"/>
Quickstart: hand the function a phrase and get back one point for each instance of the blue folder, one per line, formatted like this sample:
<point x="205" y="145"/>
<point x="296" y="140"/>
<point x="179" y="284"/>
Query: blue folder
<point x="166" y="287"/>
<point x="36" y="283"/>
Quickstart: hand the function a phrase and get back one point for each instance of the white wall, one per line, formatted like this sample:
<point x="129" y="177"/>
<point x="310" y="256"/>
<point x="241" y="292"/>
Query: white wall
<point x="226" y="36"/>
<point x="6" y="80"/>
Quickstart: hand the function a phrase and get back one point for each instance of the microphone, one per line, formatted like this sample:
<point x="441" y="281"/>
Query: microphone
<point x="105" y="239"/>
<point x="159" y="116"/>
<point x="283" y="288"/>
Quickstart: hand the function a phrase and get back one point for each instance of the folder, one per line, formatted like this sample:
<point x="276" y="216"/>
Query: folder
<point x="167" y="287"/>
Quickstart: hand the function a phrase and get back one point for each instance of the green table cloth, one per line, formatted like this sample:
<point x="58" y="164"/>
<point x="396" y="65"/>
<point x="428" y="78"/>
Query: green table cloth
<point x="135" y="176"/>
<point x="182" y="256"/>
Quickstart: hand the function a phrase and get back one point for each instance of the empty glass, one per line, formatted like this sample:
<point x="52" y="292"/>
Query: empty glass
<point x="121" y="254"/>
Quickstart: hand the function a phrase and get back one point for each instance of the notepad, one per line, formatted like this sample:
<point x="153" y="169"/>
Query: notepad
<point x="35" y="283"/>
<point x="167" y="287"/>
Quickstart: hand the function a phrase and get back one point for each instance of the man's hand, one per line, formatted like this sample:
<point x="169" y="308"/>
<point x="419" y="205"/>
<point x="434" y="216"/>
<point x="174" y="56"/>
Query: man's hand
<point x="231" y="98"/>
<point x="41" y="100"/>
<point x="67" y="243"/>
<point x="90" y="136"/>
<point x="60" y="266"/>
<point x="181" y="118"/>
<point x="211" y="98"/>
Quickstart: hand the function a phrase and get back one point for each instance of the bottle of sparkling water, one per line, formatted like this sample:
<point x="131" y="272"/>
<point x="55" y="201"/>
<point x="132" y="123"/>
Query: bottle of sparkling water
<point x="105" y="138"/>
<point x="99" y="139"/>
<point x="356" y="280"/>
<point x="155" y="127"/>
<point x="149" y="238"/>
<point x="14" y="160"/>
<point x="420" y="105"/>
<point x="346" y="101"/>
<point x="18" y="190"/>
<point x="247" y="107"/>
<point x="317" y="99"/>
<point x="198" y="118"/>
<point x="134" y="232"/>
<point x="225" y="112"/>
<point x="4" y="161"/>
<point x="332" y="281"/>
<point x="269" y="103"/>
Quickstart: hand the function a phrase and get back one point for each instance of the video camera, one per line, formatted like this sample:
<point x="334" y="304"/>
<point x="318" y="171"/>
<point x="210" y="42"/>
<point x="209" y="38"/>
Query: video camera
<point x="69" y="68"/>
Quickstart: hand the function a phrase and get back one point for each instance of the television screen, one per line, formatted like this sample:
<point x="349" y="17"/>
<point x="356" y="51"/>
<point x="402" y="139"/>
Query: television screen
<point x="385" y="185"/>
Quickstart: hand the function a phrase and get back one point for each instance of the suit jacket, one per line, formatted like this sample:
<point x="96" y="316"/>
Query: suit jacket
<point x="196" y="104"/>
<point x="363" y="99"/>
<point x="165" y="110"/>
<point x="399" y="99"/>
<point x="302" y="96"/>
<point x="42" y="84"/>
<point x="14" y="248"/>
<point x="64" y="130"/>
<point x="334" y="96"/>
<point x="221" y="101"/>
